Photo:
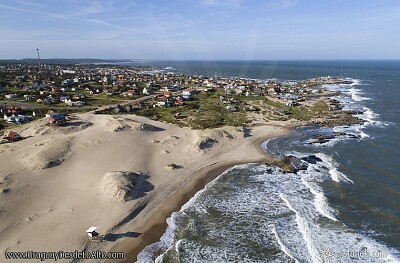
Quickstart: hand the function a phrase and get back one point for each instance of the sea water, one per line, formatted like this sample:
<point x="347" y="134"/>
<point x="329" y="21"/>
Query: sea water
<point x="343" y="208"/>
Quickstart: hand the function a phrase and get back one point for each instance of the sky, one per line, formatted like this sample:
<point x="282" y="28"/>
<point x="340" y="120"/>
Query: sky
<point x="200" y="29"/>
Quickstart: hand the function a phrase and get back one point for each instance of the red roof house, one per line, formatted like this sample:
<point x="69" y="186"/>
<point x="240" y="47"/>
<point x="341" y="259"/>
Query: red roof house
<point x="13" y="136"/>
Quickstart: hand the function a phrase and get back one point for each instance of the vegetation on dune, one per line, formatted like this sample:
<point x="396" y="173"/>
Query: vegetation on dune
<point x="205" y="110"/>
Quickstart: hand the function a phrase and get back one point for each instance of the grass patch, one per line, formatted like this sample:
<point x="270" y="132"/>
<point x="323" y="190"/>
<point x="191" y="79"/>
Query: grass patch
<point x="205" y="110"/>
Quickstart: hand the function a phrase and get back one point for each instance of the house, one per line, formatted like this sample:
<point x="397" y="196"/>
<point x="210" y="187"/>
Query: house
<point x="16" y="119"/>
<point x="13" y="136"/>
<point x="78" y="96"/>
<point x="20" y="119"/>
<point x="186" y="92"/>
<point x="56" y="118"/>
<point x="29" y="98"/>
<point x="161" y="101"/>
<point x="11" y="96"/>
<point x="130" y="92"/>
<point x="179" y="99"/>
<point x="75" y="103"/>
<point x="65" y="89"/>
<point x="7" y="115"/>
<point x="37" y="113"/>
<point x="231" y="108"/>
<point x="167" y="94"/>
<point x="64" y="98"/>
<point x="164" y="102"/>
<point x="50" y="113"/>
<point x="121" y="79"/>
<point x="172" y="88"/>
<point x="148" y="91"/>
<point x="14" y="110"/>
<point x="291" y="103"/>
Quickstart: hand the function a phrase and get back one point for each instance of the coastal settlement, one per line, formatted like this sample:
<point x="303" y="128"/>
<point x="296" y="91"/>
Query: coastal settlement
<point x="192" y="101"/>
<point x="136" y="142"/>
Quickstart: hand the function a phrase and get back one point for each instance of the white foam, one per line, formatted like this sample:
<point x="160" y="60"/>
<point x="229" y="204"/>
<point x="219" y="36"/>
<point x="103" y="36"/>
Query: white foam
<point x="320" y="201"/>
<point x="257" y="207"/>
<point x="281" y="245"/>
<point x="354" y="100"/>
<point x="355" y="94"/>
<point x="264" y="145"/>
<point x="168" y="238"/>
<point x="364" y="135"/>
<point x="333" y="171"/>
<point x="304" y="230"/>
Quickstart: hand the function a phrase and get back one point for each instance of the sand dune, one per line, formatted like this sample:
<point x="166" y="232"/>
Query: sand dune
<point x="41" y="127"/>
<point x="119" y="185"/>
<point x="118" y="124"/>
<point x="46" y="209"/>
<point x="49" y="154"/>
<point x="209" y="138"/>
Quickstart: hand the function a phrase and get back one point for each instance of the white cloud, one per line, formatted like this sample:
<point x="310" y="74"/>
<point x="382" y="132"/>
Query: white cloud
<point x="233" y="3"/>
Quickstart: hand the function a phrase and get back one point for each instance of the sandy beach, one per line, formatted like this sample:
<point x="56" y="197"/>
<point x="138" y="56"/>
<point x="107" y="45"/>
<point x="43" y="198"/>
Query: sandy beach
<point x="113" y="172"/>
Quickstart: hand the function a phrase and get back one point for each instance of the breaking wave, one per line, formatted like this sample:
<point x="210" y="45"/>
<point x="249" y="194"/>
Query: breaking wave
<point x="257" y="213"/>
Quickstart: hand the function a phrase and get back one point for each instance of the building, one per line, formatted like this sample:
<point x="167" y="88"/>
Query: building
<point x="130" y="92"/>
<point x="13" y="137"/>
<point x="55" y="118"/>
<point x="148" y="91"/>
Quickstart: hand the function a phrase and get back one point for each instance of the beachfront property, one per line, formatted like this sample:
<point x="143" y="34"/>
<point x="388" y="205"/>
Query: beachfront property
<point x="85" y="87"/>
<point x="13" y="136"/>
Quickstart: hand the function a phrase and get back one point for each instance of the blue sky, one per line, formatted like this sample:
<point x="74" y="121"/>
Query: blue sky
<point x="202" y="29"/>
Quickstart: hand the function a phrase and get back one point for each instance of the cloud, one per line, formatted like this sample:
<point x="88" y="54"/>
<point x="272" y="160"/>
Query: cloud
<point x="88" y="8"/>
<point x="233" y="3"/>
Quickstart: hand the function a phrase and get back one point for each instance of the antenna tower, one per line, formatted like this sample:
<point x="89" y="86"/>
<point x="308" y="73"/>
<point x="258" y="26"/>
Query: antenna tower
<point x="38" y="56"/>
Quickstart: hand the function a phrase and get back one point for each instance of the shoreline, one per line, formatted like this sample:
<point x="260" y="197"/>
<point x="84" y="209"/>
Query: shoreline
<point x="157" y="225"/>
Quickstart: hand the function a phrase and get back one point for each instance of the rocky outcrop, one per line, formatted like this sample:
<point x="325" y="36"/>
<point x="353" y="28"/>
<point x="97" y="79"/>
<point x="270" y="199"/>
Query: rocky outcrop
<point x="321" y="139"/>
<point x="291" y="164"/>
<point x="311" y="159"/>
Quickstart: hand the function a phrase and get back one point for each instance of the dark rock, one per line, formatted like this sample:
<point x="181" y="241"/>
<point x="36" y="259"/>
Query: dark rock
<point x="269" y="171"/>
<point x="353" y="136"/>
<point x="339" y="133"/>
<point x="323" y="139"/>
<point x="311" y="159"/>
<point x="290" y="164"/>
<point x="303" y="166"/>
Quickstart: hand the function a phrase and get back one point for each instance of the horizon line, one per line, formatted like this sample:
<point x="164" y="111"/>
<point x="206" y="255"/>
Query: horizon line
<point x="221" y="59"/>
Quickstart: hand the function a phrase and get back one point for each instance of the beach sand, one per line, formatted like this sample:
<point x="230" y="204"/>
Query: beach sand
<point x="52" y="183"/>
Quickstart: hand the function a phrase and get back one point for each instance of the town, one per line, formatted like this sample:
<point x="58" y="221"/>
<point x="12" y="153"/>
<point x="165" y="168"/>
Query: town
<point x="30" y="91"/>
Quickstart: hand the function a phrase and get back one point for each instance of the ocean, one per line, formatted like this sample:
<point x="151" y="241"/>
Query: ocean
<point x="343" y="208"/>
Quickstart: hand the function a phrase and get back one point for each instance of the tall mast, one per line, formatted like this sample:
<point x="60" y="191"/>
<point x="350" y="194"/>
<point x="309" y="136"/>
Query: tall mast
<point x="38" y="56"/>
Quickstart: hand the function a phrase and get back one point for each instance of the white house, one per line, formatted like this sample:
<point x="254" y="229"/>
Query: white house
<point x="11" y="96"/>
<point x="76" y="103"/>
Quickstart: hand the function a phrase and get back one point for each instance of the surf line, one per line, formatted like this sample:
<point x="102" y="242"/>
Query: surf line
<point x="282" y="246"/>
<point x="304" y="230"/>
